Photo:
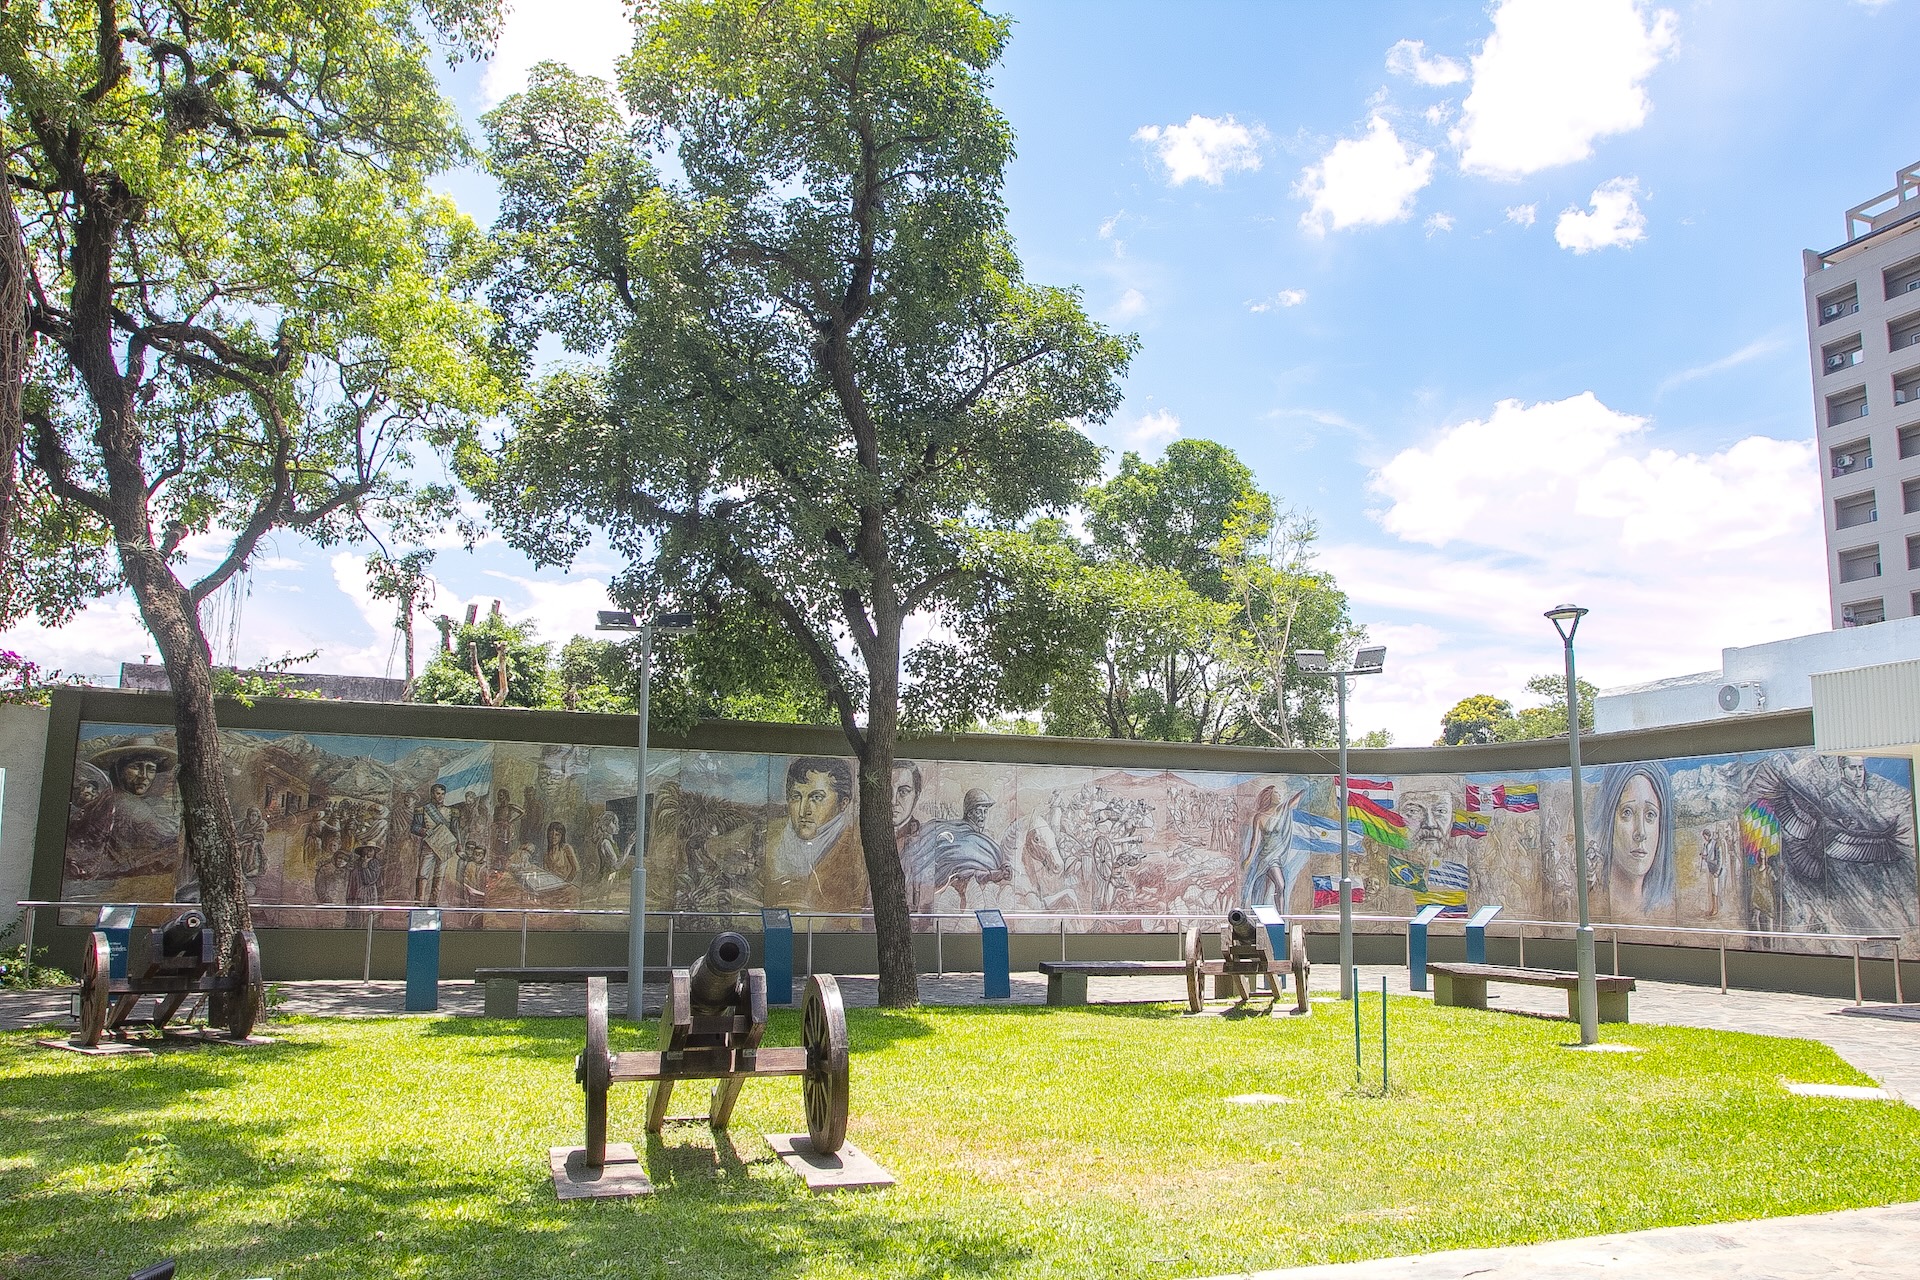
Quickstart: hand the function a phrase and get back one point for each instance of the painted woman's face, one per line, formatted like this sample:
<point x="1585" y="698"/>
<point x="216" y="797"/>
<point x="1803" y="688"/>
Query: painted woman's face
<point x="1636" y="828"/>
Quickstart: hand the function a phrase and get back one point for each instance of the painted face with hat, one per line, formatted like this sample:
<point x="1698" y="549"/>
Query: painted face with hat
<point x="135" y="766"/>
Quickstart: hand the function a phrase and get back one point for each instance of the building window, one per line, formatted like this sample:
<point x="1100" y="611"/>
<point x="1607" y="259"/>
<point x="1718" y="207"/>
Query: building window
<point x="1839" y="304"/>
<point x="1903" y="279"/>
<point x="1913" y="552"/>
<point x="1860" y="564"/>
<point x="1910" y="496"/>
<point x="1903" y="333"/>
<point x="1906" y="386"/>
<point x="1843" y="354"/>
<point x="1846" y="406"/>
<point x="1852" y="512"/>
<point x="1864" y="613"/>
<point x="1855" y="456"/>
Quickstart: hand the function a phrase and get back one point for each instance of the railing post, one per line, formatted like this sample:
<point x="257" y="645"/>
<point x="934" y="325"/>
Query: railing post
<point x="34" y="911"/>
<point x="1899" y="997"/>
<point x="1063" y="937"/>
<point x="1616" y="953"/>
<point x="1856" y="974"/>
<point x="1523" y="946"/>
<point x="523" y="937"/>
<point x="1723" y="966"/>
<point x="939" y="945"/>
<point x="366" y="962"/>
<point x="670" y="919"/>
<point x="809" y="946"/>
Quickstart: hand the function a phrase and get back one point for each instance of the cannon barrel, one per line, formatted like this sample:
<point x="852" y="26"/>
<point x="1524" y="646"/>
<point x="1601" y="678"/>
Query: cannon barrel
<point x="181" y="935"/>
<point x="1242" y="926"/>
<point x="711" y="980"/>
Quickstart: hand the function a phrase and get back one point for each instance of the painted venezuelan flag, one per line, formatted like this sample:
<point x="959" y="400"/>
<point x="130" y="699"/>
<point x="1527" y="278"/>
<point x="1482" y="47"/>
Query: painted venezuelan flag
<point x="1522" y="798"/>
<point x="1376" y="821"/>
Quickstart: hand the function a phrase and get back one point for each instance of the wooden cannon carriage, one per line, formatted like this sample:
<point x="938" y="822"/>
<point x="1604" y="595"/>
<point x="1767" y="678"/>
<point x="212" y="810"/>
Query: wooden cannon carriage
<point x="710" y="1029"/>
<point x="183" y="959"/>
<point x="1246" y="954"/>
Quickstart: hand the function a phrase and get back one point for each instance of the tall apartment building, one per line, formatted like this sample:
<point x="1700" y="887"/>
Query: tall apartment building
<point x="1863" y="331"/>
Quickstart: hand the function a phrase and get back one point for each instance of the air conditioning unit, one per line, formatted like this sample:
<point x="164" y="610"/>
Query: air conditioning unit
<point x="1743" y="696"/>
<point x="1829" y="311"/>
<point x="1913" y="339"/>
<point x="1840" y="362"/>
<point x="1913" y="284"/>
<point x="1899" y="396"/>
<point x="1842" y="462"/>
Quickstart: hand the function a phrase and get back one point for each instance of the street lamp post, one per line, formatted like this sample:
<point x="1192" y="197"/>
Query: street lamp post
<point x="667" y="624"/>
<point x="1566" y="620"/>
<point x="1366" y="662"/>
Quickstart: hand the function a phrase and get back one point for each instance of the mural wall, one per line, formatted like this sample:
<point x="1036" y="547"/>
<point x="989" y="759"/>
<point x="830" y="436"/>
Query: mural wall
<point x="1779" y="840"/>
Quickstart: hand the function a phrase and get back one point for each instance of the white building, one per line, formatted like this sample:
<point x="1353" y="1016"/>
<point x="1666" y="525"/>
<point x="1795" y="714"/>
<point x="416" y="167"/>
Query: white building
<point x="1863" y="333"/>
<point x="1777" y="676"/>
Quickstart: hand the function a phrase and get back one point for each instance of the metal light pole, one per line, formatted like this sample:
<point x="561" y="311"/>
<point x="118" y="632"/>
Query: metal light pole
<point x="1566" y="620"/>
<point x="668" y="624"/>
<point x="1367" y="662"/>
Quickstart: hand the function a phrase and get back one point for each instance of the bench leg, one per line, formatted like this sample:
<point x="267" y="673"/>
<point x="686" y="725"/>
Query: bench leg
<point x="1066" y="988"/>
<point x="1613" y="1006"/>
<point x="1458" y="992"/>
<point x="503" y="998"/>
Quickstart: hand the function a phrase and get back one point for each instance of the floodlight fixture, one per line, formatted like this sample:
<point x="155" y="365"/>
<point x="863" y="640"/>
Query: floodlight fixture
<point x="1370" y="659"/>
<point x="1313" y="660"/>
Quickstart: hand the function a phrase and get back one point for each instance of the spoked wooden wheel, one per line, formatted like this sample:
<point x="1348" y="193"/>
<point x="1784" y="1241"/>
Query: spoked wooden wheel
<point x="1196" y="983"/>
<point x="96" y="970"/>
<point x="823" y="1029"/>
<point x="249" y="994"/>
<point x="594" y="1070"/>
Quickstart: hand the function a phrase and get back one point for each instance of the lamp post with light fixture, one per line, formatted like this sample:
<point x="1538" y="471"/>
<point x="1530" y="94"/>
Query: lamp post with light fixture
<point x="666" y="624"/>
<point x="1566" y="620"/>
<point x="1366" y="662"/>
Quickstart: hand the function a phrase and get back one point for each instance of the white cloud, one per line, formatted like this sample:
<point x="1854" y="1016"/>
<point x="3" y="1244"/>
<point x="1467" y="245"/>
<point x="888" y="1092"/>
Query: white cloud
<point x="1409" y="58"/>
<point x="1363" y="181"/>
<point x="1436" y="115"/>
<point x="1439" y="222"/>
<point x="1132" y="303"/>
<point x="1677" y="554"/>
<point x="1154" y="430"/>
<point x="559" y="610"/>
<point x="587" y="35"/>
<point x="92" y="644"/>
<point x="1284" y="298"/>
<point x="1522" y="214"/>
<point x="1555" y="76"/>
<point x="1615" y="219"/>
<point x="1758" y="349"/>
<point x="1204" y="148"/>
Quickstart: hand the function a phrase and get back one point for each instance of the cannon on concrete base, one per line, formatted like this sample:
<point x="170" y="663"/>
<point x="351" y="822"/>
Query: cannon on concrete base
<point x="183" y="959"/>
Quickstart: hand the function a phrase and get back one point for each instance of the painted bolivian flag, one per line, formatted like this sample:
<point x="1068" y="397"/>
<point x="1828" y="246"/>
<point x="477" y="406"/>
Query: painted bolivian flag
<point x="1375" y="821"/>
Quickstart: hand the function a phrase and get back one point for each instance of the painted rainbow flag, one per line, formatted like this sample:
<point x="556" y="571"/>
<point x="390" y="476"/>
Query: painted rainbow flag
<point x="1376" y="821"/>
<point x="1759" y="833"/>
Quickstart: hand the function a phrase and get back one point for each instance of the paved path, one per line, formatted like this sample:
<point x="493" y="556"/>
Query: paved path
<point x="1853" y="1245"/>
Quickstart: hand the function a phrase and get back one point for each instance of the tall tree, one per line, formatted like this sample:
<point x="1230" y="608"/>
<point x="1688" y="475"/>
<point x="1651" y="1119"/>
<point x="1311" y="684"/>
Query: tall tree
<point x="404" y="580"/>
<point x="248" y="304"/>
<point x="818" y="363"/>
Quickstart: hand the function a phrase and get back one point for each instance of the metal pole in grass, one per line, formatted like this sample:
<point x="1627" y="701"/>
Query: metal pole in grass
<point x="1353" y="985"/>
<point x="1383" y="1033"/>
<point x="1566" y="620"/>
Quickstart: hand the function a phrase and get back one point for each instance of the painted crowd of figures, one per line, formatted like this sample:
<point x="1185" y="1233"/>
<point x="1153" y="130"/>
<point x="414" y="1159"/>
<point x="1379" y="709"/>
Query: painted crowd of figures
<point x="1782" y="841"/>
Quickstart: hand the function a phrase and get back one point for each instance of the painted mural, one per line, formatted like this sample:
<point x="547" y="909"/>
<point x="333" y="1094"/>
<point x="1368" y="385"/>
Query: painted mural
<point x="1786" y="841"/>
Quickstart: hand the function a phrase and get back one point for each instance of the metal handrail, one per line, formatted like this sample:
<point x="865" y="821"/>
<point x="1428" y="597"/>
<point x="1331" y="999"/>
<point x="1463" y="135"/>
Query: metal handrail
<point x="1179" y="919"/>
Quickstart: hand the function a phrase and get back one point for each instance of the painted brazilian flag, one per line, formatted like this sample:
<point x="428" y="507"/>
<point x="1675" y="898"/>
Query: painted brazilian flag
<point x="1376" y="821"/>
<point x="1408" y="875"/>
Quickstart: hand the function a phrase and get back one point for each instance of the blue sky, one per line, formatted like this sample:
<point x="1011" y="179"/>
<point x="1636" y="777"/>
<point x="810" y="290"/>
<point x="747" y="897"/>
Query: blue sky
<point x="1507" y="295"/>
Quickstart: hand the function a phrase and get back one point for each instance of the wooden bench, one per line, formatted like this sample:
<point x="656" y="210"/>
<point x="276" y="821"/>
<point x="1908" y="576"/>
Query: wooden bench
<point x="1465" y="986"/>
<point x="1067" y="979"/>
<point x="503" y="984"/>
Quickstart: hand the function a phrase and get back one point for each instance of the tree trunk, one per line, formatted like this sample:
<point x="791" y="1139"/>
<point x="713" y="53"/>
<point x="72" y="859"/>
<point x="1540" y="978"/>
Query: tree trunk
<point x="14" y="346"/>
<point x="886" y="876"/>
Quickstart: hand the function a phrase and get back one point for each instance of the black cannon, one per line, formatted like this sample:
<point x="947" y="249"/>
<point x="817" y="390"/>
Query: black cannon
<point x="711" y="1025"/>
<point x="1246" y="956"/>
<point x="183" y="959"/>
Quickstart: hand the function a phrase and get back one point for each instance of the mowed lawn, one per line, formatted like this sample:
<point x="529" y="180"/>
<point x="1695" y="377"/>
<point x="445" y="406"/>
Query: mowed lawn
<point x="1028" y="1142"/>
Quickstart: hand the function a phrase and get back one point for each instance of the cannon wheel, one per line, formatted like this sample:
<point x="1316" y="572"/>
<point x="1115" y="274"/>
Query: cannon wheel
<point x="96" y="970"/>
<point x="1196" y="984"/>
<point x="823" y="1029"/>
<point x="244" y="1002"/>
<point x="594" y="1070"/>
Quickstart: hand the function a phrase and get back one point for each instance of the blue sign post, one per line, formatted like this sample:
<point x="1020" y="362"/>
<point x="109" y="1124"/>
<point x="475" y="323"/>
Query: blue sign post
<point x="423" y="960"/>
<point x="117" y="924"/>
<point x="1417" y="946"/>
<point x="1275" y="924"/>
<point x="1477" y="934"/>
<point x="994" y="966"/>
<point x="776" y="933"/>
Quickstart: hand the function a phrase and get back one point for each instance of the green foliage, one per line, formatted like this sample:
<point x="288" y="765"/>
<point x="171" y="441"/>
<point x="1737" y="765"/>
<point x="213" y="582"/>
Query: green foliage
<point x="273" y="679"/>
<point x="485" y="652"/>
<point x="1478" y="719"/>
<point x="1172" y="622"/>
<point x="1485" y="718"/>
<point x="321" y="1156"/>
<point x="23" y="682"/>
<point x="1373" y="739"/>
<point x="17" y="973"/>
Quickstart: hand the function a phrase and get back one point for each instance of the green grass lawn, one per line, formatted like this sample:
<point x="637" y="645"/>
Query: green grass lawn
<point x="1028" y="1142"/>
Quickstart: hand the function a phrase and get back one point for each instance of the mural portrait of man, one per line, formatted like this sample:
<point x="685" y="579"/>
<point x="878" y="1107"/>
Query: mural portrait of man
<point x="438" y="844"/>
<point x="814" y="859"/>
<point x="142" y="828"/>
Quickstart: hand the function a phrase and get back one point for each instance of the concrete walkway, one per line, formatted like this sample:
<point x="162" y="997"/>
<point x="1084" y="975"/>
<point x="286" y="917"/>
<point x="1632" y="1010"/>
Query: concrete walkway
<point x="1859" y="1243"/>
